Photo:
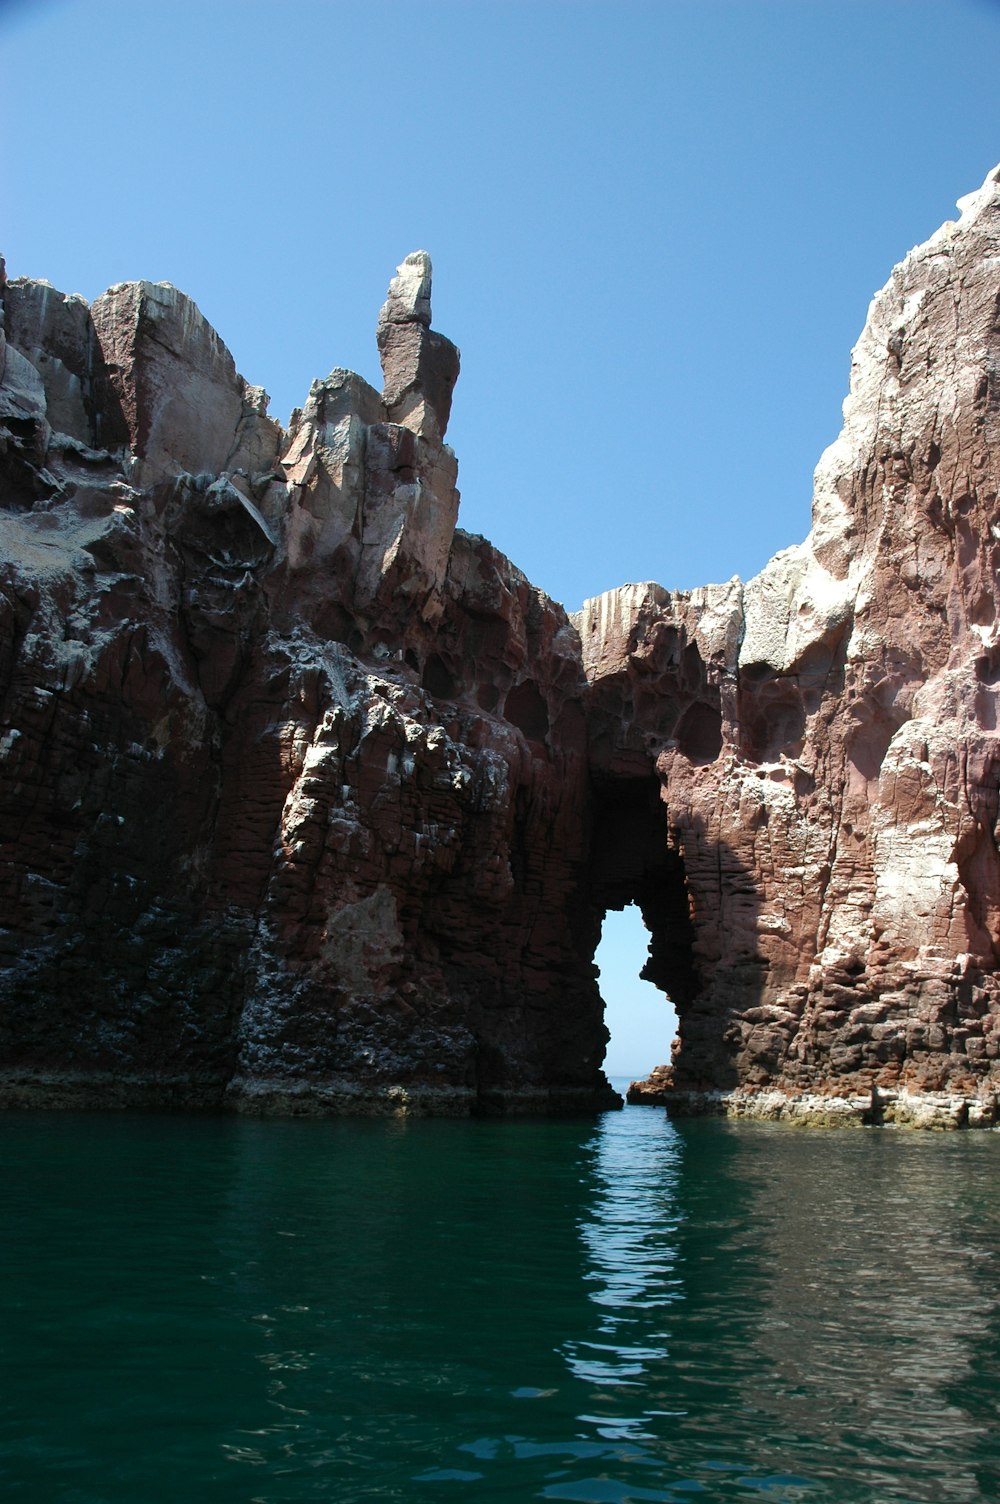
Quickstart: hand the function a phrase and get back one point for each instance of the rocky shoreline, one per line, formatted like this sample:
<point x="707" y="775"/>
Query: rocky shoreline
<point x="90" y="1091"/>
<point x="941" y="1111"/>
<point x="87" y="1091"/>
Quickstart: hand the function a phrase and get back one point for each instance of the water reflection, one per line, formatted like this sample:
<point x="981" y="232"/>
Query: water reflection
<point x="674" y="1275"/>
<point x="437" y="1269"/>
<point x="280" y="1312"/>
<point x="629" y="1233"/>
<point x="794" y="1314"/>
<point x="883" y="1277"/>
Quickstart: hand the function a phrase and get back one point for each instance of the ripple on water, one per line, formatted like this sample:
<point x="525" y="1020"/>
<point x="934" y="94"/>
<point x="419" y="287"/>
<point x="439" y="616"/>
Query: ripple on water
<point x="623" y="1311"/>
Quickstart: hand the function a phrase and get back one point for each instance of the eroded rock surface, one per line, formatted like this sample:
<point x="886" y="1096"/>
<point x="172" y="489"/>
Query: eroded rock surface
<point x="824" y="736"/>
<point x="294" y="774"/>
<point x="311" y="801"/>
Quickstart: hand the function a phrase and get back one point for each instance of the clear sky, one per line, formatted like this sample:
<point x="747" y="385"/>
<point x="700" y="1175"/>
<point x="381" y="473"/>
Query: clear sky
<point x="656" y="225"/>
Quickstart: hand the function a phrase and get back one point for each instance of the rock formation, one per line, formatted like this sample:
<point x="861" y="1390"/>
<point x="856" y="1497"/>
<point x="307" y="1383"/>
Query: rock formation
<point x="294" y="774"/>
<point x="312" y="802"/>
<point x="825" y="744"/>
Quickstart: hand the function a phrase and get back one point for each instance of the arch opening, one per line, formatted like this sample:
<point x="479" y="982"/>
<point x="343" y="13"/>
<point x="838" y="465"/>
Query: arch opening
<point x="641" y="914"/>
<point x="640" y="1018"/>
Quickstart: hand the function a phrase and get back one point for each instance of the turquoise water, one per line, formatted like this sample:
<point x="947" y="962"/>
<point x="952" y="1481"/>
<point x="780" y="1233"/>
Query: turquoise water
<point x="606" y="1310"/>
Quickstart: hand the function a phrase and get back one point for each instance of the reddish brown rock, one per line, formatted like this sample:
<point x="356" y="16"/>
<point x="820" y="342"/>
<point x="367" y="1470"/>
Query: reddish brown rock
<point x="312" y="802"/>
<point x="420" y="367"/>
<point x="824" y="737"/>
<point x="294" y="775"/>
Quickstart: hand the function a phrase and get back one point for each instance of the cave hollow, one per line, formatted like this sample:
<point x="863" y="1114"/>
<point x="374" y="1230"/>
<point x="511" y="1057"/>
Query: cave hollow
<point x="634" y="862"/>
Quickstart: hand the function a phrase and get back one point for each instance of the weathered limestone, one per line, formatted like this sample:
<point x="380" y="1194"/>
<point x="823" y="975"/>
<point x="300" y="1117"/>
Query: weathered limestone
<point x="54" y="336"/>
<point x="312" y="802"/>
<point x="371" y="493"/>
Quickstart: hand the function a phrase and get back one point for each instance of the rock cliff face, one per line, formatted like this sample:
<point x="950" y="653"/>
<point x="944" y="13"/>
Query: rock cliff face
<point x="294" y="774"/>
<point x="825" y="741"/>
<point x="312" y="802"/>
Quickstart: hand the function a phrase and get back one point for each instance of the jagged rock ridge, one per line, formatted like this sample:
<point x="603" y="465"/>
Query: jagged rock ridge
<point x="313" y="802"/>
<point x="294" y="774"/>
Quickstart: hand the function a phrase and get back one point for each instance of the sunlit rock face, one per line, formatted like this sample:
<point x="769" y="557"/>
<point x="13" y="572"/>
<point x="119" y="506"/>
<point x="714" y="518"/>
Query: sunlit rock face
<point x="312" y="802"/>
<point x="824" y="736"/>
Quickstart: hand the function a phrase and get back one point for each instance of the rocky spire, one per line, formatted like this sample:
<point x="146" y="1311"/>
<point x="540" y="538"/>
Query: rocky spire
<point x="409" y="297"/>
<point x="419" y="367"/>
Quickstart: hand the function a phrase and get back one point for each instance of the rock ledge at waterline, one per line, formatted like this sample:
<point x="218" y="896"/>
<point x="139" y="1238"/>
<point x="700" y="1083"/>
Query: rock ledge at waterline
<point x="312" y="802"/>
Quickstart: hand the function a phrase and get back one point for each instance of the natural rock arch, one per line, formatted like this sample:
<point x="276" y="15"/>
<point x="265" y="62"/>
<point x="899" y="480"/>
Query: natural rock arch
<point x="632" y="863"/>
<point x="310" y="800"/>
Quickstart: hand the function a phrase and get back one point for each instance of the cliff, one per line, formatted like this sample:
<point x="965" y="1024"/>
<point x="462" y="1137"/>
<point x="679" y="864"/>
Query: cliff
<point x="294" y="774"/>
<point x="824" y="740"/>
<point x="312" y="801"/>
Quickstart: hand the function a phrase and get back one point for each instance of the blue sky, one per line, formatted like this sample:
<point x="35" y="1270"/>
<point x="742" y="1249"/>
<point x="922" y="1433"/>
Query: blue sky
<point x="656" y="226"/>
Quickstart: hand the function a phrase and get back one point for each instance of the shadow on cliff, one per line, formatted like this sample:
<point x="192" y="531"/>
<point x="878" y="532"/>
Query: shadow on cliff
<point x="700" y="907"/>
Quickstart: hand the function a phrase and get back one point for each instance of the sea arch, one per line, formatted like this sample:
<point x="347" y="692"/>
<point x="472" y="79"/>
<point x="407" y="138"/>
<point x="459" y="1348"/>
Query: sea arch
<point x="635" y="861"/>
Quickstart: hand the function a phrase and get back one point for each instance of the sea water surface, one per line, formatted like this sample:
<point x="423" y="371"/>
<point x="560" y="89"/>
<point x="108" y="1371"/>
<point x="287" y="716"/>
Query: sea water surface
<point x="603" y="1310"/>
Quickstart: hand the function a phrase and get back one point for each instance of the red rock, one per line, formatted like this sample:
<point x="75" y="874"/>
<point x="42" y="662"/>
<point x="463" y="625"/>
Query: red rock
<point x="839" y="847"/>
<point x="312" y="802"/>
